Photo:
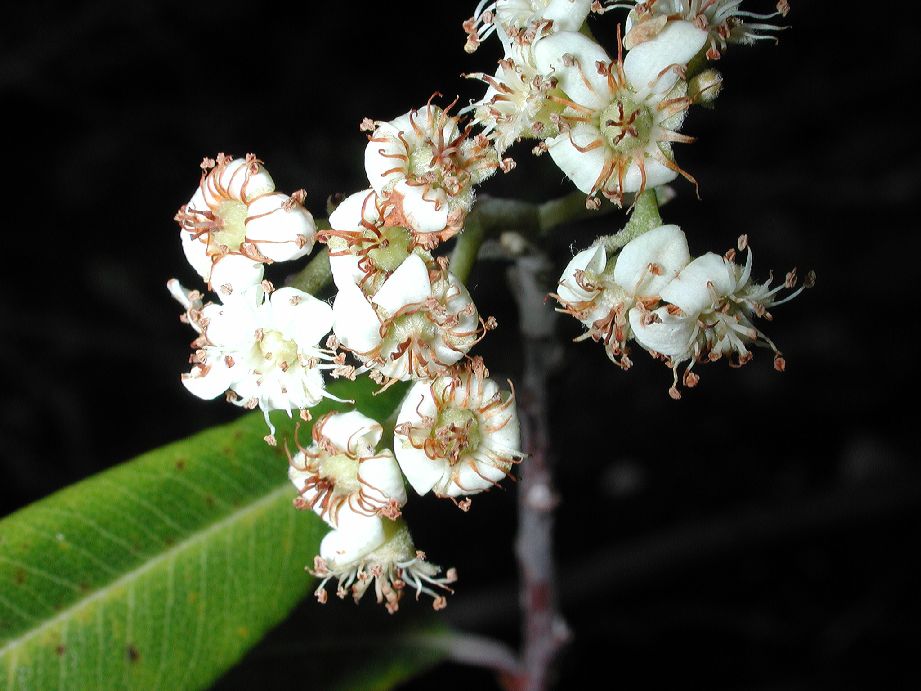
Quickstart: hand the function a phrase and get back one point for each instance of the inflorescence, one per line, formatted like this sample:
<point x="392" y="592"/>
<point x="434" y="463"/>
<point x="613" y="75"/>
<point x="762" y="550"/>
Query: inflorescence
<point x="608" y="119"/>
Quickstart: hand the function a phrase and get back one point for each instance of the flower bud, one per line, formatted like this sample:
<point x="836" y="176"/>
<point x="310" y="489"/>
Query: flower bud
<point x="704" y="88"/>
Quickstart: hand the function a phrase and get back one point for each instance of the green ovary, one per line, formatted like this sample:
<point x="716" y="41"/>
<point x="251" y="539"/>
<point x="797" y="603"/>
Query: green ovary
<point x="626" y="126"/>
<point x="277" y="348"/>
<point x="343" y="471"/>
<point x="461" y="419"/>
<point x="233" y="226"/>
<point x="414" y="325"/>
<point x="392" y="250"/>
<point x="420" y="160"/>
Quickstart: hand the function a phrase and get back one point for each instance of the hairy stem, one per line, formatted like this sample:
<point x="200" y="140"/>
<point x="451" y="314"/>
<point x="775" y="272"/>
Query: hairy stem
<point x="315" y="276"/>
<point x="468" y="246"/>
<point x="644" y="218"/>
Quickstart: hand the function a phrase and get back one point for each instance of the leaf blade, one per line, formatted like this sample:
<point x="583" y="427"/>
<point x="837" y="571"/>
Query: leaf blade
<point x="161" y="572"/>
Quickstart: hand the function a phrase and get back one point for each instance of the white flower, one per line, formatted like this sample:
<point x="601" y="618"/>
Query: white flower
<point x="342" y="472"/>
<point x="521" y="22"/>
<point x="371" y="551"/>
<point x="420" y="322"/>
<point x="362" y="248"/>
<point x="621" y="116"/>
<point x="457" y="435"/>
<point x="263" y="351"/>
<point x="723" y="20"/>
<point x="707" y="314"/>
<point x="235" y="212"/>
<point x="426" y="166"/>
<point x="516" y="102"/>
<point x="607" y="296"/>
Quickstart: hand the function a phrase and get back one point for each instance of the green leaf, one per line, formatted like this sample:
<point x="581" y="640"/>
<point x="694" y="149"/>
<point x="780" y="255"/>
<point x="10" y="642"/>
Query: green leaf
<point x="163" y="571"/>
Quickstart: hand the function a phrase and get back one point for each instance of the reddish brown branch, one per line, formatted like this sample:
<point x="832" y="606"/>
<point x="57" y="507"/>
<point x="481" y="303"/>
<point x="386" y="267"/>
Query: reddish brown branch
<point x="544" y="631"/>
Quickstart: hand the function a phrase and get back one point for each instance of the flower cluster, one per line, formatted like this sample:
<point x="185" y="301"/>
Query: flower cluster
<point x="257" y="345"/>
<point x="401" y="315"/>
<point x="678" y="309"/>
<point x="359" y="491"/>
<point x="608" y="124"/>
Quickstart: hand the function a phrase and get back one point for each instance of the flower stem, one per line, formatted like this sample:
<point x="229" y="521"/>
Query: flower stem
<point x="490" y="216"/>
<point x="468" y="246"/>
<point x="493" y="215"/>
<point x="644" y="218"/>
<point x="314" y="277"/>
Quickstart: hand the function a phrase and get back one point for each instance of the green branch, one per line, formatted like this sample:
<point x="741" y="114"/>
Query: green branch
<point x="645" y="217"/>
<point x="489" y="217"/>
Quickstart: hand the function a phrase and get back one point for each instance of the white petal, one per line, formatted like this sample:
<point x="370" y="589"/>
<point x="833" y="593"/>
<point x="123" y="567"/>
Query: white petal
<point x="507" y="439"/>
<point x="472" y="478"/>
<point x="353" y="432"/>
<point x="425" y="210"/>
<point x="396" y="369"/>
<point x="232" y="326"/>
<point x="670" y="335"/>
<point x="345" y="269"/>
<point x="457" y="301"/>
<point x="298" y="476"/>
<point x="591" y="260"/>
<point x="382" y="478"/>
<point x="581" y="82"/>
<point x="666" y="247"/>
<point x="302" y="388"/>
<point x="676" y="44"/>
<point x="418" y="403"/>
<point x="656" y="174"/>
<point x="383" y="162"/>
<point x="196" y="252"/>
<point x="354" y="320"/>
<point x="301" y="317"/>
<point x="421" y="471"/>
<point x="582" y="167"/>
<point x="349" y="214"/>
<point x="211" y="380"/>
<point x="697" y="284"/>
<point x="233" y="276"/>
<point x="280" y="233"/>
<point x="356" y="537"/>
<point x="409" y="284"/>
<point x="567" y="15"/>
<point x="236" y="181"/>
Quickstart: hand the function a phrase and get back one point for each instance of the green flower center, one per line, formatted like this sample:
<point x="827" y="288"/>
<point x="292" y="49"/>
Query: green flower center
<point x="626" y="125"/>
<point x="232" y="232"/>
<point x="342" y="471"/>
<point x="392" y="248"/>
<point x="420" y="161"/>
<point x="458" y="432"/>
<point x="277" y="349"/>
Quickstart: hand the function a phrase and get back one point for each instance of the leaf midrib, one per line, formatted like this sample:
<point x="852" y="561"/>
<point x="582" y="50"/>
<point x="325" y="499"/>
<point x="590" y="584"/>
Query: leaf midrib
<point x="17" y="643"/>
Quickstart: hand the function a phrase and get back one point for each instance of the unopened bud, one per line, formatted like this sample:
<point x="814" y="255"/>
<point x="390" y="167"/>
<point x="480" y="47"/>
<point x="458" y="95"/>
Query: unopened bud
<point x="705" y="87"/>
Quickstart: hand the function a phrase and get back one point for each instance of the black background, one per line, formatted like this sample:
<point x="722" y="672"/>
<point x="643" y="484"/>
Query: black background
<point x="757" y="534"/>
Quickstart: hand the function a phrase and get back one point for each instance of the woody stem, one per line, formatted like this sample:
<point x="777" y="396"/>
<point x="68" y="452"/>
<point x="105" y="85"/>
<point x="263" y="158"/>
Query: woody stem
<point x="544" y="632"/>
